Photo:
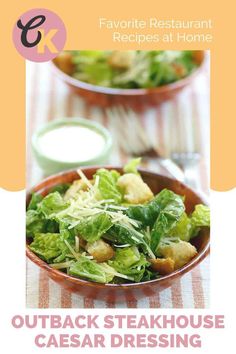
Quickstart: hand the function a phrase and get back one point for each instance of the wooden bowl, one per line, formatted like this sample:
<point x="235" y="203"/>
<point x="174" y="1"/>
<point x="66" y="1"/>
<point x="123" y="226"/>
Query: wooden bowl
<point x="134" y="291"/>
<point x="106" y="96"/>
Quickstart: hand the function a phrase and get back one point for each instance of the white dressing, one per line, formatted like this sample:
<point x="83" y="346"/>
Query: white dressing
<point x="71" y="143"/>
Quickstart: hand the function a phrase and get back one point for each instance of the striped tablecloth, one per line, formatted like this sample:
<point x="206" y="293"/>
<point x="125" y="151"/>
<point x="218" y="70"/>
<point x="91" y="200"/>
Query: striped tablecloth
<point x="184" y="119"/>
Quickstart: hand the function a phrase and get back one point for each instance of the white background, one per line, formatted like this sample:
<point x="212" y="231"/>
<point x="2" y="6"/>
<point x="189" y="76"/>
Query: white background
<point x="223" y="294"/>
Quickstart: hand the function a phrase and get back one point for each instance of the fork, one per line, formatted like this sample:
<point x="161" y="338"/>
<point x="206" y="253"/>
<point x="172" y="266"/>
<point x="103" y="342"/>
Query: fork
<point x="134" y="141"/>
<point x="186" y="154"/>
<point x="187" y="161"/>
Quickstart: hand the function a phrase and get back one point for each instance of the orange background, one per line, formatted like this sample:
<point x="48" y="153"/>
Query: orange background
<point x="81" y="20"/>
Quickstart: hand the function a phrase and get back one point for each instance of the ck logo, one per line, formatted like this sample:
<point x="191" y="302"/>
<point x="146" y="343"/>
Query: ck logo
<point x="39" y="35"/>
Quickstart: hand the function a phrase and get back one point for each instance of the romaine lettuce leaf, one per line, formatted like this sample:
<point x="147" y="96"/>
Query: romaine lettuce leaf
<point x="127" y="256"/>
<point x="92" y="228"/>
<point x="35" y="222"/>
<point x="122" y="235"/>
<point x="130" y="262"/>
<point x="182" y="229"/>
<point x="171" y="210"/>
<point x="148" y="213"/>
<point x="49" y="246"/>
<point x="108" y="185"/>
<point x="52" y="204"/>
<point x="149" y="275"/>
<point x="200" y="218"/>
<point x="34" y="201"/>
<point x="189" y="226"/>
<point x="60" y="188"/>
<point x="51" y="226"/>
<point x="131" y="166"/>
<point x="92" y="66"/>
<point x="98" y="74"/>
<point x="87" y="56"/>
<point x="65" y="232"/>
<point x="88" y="269"/>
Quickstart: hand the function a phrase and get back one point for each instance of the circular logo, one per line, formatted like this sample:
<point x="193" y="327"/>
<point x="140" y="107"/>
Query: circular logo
<point x="39" y="35"/>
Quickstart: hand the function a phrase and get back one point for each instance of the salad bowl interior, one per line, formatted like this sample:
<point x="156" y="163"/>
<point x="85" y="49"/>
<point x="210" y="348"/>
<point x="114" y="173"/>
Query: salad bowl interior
<point x="128" y="291"/>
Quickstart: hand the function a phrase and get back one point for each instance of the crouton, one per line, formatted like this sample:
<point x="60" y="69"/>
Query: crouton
<point x="100" y="250"/>
<point x="135" y="190"/>
<point x="121" y="59"/>
<point x="77" y="185"/>
<point x="65" y="63"/>
<point x="180" y="252"/>
<point x="163" y="265"/>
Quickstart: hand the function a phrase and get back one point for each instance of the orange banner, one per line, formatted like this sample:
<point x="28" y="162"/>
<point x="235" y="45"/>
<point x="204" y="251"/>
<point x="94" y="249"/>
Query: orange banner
<point x="92" y="26"/>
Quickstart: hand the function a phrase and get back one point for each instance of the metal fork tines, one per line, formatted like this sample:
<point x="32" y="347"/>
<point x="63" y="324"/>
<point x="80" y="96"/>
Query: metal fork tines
<point x="188" y="162"/>
<point x="134" y="140"/>
<point x="186" y="159"/>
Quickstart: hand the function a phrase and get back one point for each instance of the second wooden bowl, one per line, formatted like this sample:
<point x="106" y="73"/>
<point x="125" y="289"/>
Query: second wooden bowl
<point x="107" y="96"/>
